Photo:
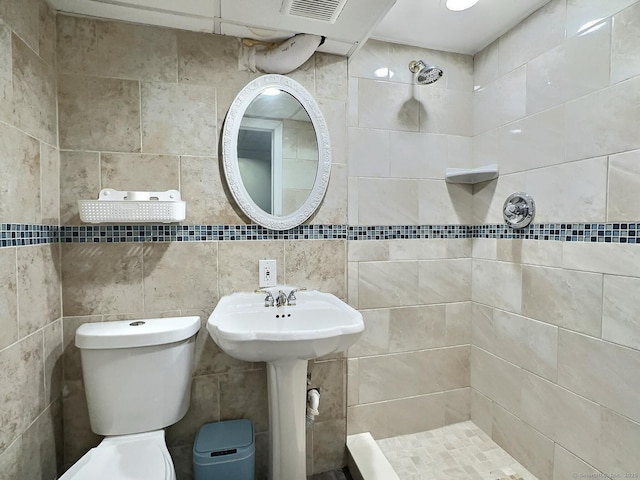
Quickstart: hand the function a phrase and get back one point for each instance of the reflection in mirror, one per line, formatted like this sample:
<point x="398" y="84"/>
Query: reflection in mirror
<point x="277" y="152"/>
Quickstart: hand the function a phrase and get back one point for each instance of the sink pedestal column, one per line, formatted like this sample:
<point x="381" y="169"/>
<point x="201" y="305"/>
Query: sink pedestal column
<point x="287" y="384"/>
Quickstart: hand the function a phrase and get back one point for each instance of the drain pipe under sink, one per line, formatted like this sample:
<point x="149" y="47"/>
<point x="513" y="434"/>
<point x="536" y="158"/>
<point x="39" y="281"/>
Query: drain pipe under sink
<point x="313" y="401"/>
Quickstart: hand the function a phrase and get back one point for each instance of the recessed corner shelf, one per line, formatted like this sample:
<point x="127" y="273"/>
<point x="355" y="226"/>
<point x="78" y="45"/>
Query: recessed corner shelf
<point x="471" y="175"/>
<point x="114" y="206"/>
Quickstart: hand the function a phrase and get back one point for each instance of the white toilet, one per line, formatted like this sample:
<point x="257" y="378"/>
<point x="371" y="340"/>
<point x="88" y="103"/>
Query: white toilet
<point x="137" y="379"/>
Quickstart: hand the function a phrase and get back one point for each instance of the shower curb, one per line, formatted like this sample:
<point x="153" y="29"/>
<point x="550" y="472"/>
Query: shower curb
<point x="366" y="460"/>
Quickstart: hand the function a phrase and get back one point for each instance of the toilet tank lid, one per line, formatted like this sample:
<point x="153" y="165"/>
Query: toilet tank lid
<point x="136" y="333"/>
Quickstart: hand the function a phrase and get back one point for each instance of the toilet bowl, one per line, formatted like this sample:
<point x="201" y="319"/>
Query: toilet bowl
<point x="137" y="377"/>
<point x="139" y="456"/>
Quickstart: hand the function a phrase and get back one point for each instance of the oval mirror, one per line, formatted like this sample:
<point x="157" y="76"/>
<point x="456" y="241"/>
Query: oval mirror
<point x="276" y="153"/>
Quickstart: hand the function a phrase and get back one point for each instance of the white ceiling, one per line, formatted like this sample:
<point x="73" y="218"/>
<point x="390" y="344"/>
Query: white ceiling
<point x="429" y="24"/>
<point x="422" y="23"/>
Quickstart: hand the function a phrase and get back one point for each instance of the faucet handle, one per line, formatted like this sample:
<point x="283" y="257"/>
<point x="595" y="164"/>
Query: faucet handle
<point x="268" y="300"/>
<point x="291" y="298"/>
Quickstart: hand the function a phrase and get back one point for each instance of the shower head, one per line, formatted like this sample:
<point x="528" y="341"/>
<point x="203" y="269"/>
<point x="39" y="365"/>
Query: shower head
<point x="424" y="74"/>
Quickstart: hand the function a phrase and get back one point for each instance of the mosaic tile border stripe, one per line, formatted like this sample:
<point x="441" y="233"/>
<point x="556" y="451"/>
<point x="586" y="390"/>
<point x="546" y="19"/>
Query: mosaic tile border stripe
<point x="13" y="235"/>
<point x="18" y="234"/>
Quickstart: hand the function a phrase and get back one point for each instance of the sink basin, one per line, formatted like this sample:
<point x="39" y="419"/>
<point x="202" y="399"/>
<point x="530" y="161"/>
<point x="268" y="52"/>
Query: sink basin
<point x="318" y="325"/>
<point x="286" y="338"/>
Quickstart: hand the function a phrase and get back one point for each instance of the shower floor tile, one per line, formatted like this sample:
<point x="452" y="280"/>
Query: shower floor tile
<point x="455" y="452"/>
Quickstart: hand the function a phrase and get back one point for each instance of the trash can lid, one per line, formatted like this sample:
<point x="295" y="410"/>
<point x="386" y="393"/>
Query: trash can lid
<point x="217" y="436"/>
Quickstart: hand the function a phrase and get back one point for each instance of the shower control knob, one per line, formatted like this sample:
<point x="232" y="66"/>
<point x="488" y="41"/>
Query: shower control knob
<point x="518" y="210"/>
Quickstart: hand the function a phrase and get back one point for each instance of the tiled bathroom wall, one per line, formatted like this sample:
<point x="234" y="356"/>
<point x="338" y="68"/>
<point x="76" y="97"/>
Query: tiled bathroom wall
<point x="141" y="108"/>
<point x="410" y="370"/>
<point x="30" y="306"/>
<point x="555" y="349"/>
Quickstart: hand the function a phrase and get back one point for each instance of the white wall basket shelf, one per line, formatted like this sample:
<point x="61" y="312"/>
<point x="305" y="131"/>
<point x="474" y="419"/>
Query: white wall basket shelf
<point x="471" y="175"/>
<point x="114" y="206"/>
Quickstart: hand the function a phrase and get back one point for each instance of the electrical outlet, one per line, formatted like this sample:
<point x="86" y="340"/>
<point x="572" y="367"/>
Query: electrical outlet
<point x="267" y="273"/>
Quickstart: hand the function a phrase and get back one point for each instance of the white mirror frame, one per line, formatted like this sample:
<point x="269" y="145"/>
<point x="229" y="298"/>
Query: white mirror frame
<point x="230" y="152"/>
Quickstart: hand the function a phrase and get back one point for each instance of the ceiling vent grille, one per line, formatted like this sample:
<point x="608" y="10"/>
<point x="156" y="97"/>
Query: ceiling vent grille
<point x="323" y="10"/>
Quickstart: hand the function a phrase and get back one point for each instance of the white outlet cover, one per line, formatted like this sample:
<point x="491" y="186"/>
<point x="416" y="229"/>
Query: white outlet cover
<point x="267" y="274"/>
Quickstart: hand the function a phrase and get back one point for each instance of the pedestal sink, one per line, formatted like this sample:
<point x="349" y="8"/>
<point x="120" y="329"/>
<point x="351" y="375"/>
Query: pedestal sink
<point x="286" y="338"/>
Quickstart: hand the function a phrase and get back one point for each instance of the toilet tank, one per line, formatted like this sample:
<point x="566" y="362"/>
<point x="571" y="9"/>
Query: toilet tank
<point x="137" y="374"/>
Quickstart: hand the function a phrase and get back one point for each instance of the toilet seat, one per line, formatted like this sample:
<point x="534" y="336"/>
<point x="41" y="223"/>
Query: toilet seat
<point x="140" y="456"/>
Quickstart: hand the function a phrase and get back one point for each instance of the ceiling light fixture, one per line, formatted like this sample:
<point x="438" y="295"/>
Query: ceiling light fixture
<point x="459" y="5"/>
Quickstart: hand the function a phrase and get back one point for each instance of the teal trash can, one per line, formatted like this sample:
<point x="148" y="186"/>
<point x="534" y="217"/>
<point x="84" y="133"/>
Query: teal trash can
<point x="225" y="451"/>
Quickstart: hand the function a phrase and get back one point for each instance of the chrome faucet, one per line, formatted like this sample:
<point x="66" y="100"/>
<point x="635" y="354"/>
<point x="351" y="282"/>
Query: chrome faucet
<point x="281" y="299"/>
<point x="291" y="299"/>
<point x="268" y="300"/>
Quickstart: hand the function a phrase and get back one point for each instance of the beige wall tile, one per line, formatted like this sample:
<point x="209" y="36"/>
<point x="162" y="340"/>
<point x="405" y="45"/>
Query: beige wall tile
<point x="388" y="284"/>
<point x="77" y="45"/>
<point x="369" y="154"/>
<point x="458" y="320"/>
<point x="23" y="16"/>
<point x="50" y="184"/>
<point x="331" y="76"/>
<point x="330" y="377"/>
<point x="171" y="283"/>
<point x="39" y="462"/>
<point x="204" y="408"/>
<point x="388" y="201"/>
<point x="207" y="59"/>
<point x="572" y="421"/>
<point x="566" y="465"/>
<point x="481" y="411"/>
<point x="78" y="437"/>
<point x="564" y="298"/>
<point x="399" y="110"/>
<point x="415" y="373"/>
<point x="34" y="88"/>
<point x="417" y="328"/>
<point x="527" y="343"/>
<point x="615" y="259"/>
<point x="618" y="446"/>
<point x="625" y="43"/>
<point x="554" y="187"/>
<point x="497" y="379"/>
<point x="6" y="74"/>
<point x="329" y="453"/>
<point x="367" y="62"/>
<point x="398" y="417"/>
<point x="179" y="119"/>
<point x="624" y="181"/>
<point x="599" y="371"/>
<point x="370" y="250"/>
<point x="101" y="279"/>
<point x="621" y="302"/>
<point x="457" y="406"/>
<point x="613" y="129"/>
<point x="445" y="111"/>
<point x="38" y="287"/>
<point x="318" y="264"/>
<point x="574" y="68"/>
<point x="133" y="171"/>
<point x="541" y="31"/>
<point x="99" y="113"/>
<point x="20" y="195"/>
<point x="497" y="284"/>
<point x="333" y="209"/>
<point x="47" y="33"/>
<point x="53" y="360"/>
<point x="533" y="450"/>
<point x="203" y="187"/>
<point x="72" y="363"/>
<point x="482" y="332"/>
<point x="244" y="395"/>
<point x="22" y="377"/>
<point x="237" y="259"/>
<point x="443" y="281"/>
<point x="500" y="102"/>
<point x="486" y="65"/>
<point x="444" y="203"/>
<point x="8" y="297"/>
<point x="533" y="252"/>
<point x="352" y="382"/>
<point x="581" y="13"/>
<point x="375" y="338"/>
<point x="137" y="52"/>
<point x="79" y="180"/>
